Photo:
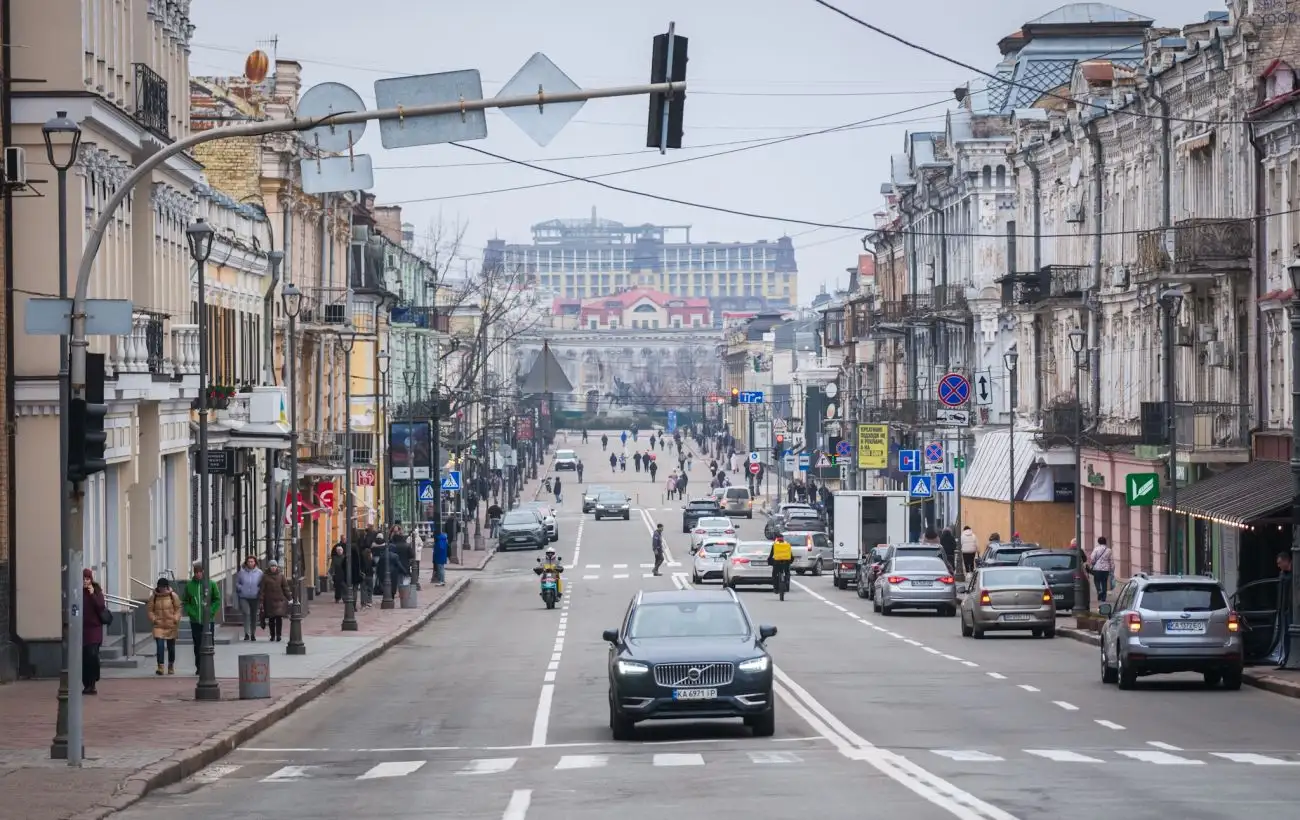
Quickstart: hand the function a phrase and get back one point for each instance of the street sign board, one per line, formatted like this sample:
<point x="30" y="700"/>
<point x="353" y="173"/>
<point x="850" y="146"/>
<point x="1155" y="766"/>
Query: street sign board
<point x="788" y="462"/>
<point x="754" y="468"/>
<point x="754" y="457"/>
<point x="873" y="446"/>
<point x="934" y="466"/>
<point x="541" y="122"/>
<point x="920" y="486"/>
<point x="948" y="417"/>
<point x="843" y="449"/>
<point x="983" y="388"/>
<point x="823" y="462"/>
<point x="427" y="494"/>
<point x="751" y="397"/>
<point x="804" y="462"/>
<point x="934" y="451"/>
<point x="909" y="461"/>
<point x="53" y="317"/>
<point x="954" y="389"/>
<point x="431" y="89"/>
<point x="945" y="483"/>
<point x="762" y="435"/>
<point x="1141" y="489"/>
<point x="779" y="426"/>
<point x="672" y="422"/>
<point x="452" y="481"/>
<point x="366" y="477"/>
<point x="844" y="472"/>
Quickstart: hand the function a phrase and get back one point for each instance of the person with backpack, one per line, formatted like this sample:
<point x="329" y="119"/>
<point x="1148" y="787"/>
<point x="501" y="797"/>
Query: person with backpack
<point x="781" y="556"/>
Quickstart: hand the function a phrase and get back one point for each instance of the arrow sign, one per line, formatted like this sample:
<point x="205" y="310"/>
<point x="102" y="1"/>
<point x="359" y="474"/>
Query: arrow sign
<point x="983" y="395"/>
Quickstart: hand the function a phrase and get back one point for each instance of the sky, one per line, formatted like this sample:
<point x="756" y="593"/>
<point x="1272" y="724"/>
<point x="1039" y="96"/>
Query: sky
<point x="760" y="70"/>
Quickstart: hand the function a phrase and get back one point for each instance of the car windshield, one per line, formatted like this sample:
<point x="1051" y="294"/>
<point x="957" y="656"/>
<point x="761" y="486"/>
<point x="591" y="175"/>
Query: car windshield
<point x="612" y="498"/>
<point x="718" y="547"/>
<point x="703" y="505"/>
<point x="761" y="548"/>
<point x="1183" y="598"/>
<point x="562" y="455"/>
<point x="1013" y="577"/>
<point x="519" y="518"/>
<point x="715" y="523"/>
<point x="688" y="620"/>
<point x="917" y="564"/>
<point x="1050" y="561"/>
<point x="878" y="554"/>
<point x="596" y="489"/>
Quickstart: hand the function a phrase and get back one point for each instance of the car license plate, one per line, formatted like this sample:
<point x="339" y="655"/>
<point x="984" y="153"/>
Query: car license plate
<point x="923" y="583"/>
<point x="758" y="563"/>
<point x="1185" y="627"/>
<point x="695" y="694"/>
<point x="1016" y="618"/>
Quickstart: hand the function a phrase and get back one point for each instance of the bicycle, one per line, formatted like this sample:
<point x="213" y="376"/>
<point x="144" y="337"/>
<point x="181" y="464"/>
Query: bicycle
<point x="782" y="583"/>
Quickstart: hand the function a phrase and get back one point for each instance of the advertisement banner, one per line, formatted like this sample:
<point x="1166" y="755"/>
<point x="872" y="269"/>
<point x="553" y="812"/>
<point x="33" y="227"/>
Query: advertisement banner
<point x="410" y="450"/>
<point x="873" y="446"/>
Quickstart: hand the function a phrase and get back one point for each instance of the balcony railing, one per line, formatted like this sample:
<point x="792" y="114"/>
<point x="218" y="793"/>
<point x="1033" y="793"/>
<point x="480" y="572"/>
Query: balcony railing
<point x="151" y="107"/>
<point x="1063" y="282"/>
<point x="1062" y="421"/>
<point x="143" y="350"/>
<point x="889" y="311"/>
<point x="950" y="299"/>
<point x="1212" y="425"/>
<point x="1151" y="255"/>
<point x="423" y="317"/>
<point x="916" y="305"/>
<point x="1021" y="290"/>
<point x="1213" y="245"/>
<point x="322" y="447"/>
<point x="324" y="306"/>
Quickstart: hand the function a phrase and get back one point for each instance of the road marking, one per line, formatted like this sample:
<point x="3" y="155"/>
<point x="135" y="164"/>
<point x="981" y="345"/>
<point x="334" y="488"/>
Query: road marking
<point x="647" y="575"/>
<point x="517" y="808"/>
<point x="549" y="677"/>
<point x="679" y="759"/>
<point x="968" y="755"/>
<point x="619" y="577"/>
<point x="286" y="773"/>
<point x="1028" y="688"/>
<point x="774" y="757"/>
<point x="840" y="608"/>
<point x="620" y="566"/>
<point x="1062" y="756"/>
<point x="1168" y="747"/>
<point x="1069" y="707"/>
<point x="931" y="650"/>
<point x="489" y="765"/>
<point x="1254" y="759"/>
<point x="915" y="643"/>
<point x="1109" y="724"/>
<point x="591" y="577"/>
<point x="1161" y="758"/>
<point x="996" y="675"/>
<point x="214" y="773"/>
<point x="582" y="761"/>
<point x="397" y="768"/>
<point x="647" y="566"/>
<point x="948" y="657"/>
<point x="593" y="566"/>
<point x="971" y="664"/>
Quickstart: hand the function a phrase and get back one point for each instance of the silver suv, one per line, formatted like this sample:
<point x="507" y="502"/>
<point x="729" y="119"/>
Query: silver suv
<point x="1171" y="623"/>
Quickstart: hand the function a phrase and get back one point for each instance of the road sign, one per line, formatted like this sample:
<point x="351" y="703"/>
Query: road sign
<point x="920" y="486"/>
<point x="429" y="89"/>
<point x="873" y="446"/>
<point x="959" y="462"/>
<point x="754" y="468"/>
<point x="366" y="477"/>
<point x="751" y="397"/>
<point x="1141" y="489"/>
<point x="934" y="451"/>
<point x="754" y="457"/>
<point x="823" y="462"/>
<point x="779" y="426"/>
<point x="945" y="483"/>
<point x="909" y="461"/>
<point x="934" y="466"/>
<point x="983" y="389"/>
<point x="541" y="122"/>
<point x="844" y="472"/>
<point x="427" y="494"/>
<point x="762" y="436"/>
<point x="452" y="481"/>
<point x="672" y="422"/>
<point x="843" y="449"/>
<point x="789" y="462"/>
<point x="804" y="462"/>
<point x="53" y="317"/>
<point x="947" y="417"/>
<point x="954" y="389"/>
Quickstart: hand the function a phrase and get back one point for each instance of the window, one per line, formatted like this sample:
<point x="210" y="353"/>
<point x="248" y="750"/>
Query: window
<point x="1183" y="598"/>
<point x="688" y="620"/>
<point x="1013" y="578"/>
<point x="1055" y="561"/>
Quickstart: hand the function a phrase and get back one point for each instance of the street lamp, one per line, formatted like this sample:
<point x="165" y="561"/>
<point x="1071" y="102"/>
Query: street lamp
<point x="1171" y="300"/>
<point x="199" y="236"/>
<point x="1011" y="359"/>
<point x="291" y="301"/>
<point x="1081" y="595"/>
<point x="348" y="340"/>
<point x="1291" y="659"/>
<point x="62" y="140"/>
<point x="381" y="363"/>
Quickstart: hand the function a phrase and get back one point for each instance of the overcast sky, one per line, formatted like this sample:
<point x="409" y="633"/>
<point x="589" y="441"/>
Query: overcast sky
<point x="759" y="70"/>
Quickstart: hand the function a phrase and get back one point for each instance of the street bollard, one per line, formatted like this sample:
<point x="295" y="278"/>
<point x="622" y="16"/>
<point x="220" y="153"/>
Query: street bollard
<point x="254" y="677"/>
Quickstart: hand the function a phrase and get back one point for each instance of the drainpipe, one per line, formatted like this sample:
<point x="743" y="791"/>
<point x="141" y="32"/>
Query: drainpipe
<point x="1094" y="317"/>
<point x="1261" y="274"/>
<point x="1036" y="181"/>
<point x="11" y="435"/>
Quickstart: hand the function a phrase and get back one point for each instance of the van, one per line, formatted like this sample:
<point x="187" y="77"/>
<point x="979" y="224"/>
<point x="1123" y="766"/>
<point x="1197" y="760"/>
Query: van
<point x="738" y="501"/>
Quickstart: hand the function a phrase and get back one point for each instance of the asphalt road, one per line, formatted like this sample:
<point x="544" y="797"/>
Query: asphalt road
<point x="497" y="709"/>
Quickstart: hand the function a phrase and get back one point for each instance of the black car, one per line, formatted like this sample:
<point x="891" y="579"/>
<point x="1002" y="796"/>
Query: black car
<point x="1006" y="555"/>
<point x="590" y="494"/>
<point x="613" y="505"/>
<point x="1063" y="569"/>
<point x="522" y="529"/>
<point x="698" y="508"/>
<point x="689" y="654"/>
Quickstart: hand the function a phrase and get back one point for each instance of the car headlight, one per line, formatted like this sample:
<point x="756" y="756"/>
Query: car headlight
<point x="755" y="664"/>
<point x="632" y="668"/>
<point x="600" y="506"/>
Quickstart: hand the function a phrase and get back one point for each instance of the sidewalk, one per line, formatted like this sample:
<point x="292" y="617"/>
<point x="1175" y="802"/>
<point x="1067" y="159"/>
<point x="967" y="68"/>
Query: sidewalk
<point x="143" y="732"/>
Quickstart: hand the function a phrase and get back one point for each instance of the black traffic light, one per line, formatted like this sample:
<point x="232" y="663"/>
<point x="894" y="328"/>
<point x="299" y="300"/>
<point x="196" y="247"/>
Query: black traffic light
<point x="87" y="438"/>
<point x="735" y="397"/>
<point x="659" y="134"/>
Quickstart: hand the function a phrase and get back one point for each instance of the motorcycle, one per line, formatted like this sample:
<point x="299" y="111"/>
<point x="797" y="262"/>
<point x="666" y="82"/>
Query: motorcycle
<point x="550" y="583"/>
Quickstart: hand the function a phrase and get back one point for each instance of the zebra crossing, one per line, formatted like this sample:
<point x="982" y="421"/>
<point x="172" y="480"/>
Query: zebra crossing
<point x="1153" y="757"/>
<point x="618" y="572"/>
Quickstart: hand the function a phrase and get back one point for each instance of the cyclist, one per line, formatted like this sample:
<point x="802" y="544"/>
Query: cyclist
<point x="781" y="556"/>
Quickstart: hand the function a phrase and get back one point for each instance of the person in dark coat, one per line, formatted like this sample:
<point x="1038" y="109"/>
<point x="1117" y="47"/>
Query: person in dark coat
<point x="92" y="631"/>
<point x="338" y="571"/>
<point x="949" y="544"/>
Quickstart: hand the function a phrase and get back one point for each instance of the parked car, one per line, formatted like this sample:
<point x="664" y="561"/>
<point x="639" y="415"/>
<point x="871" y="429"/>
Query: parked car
<point x="708" y="558"/>
<point x="1004" y="598"/>
<point x="915" y="582"/>
<point x="1171" y="623"/>
<point x="869" y="567"/>
<point x="738" y="501"/>
<point x="747" y="564"/>
<point x="613" y="504"/>
<point x="812" y="551"/>
<point x="696" y="509"/>
<point x="1063" y="568"/>
<point x="522" y="529"/>
<point x="1256" y="604"/>
<point x="547" y="512"/>
<point x="589" y="496"/>
<point x="566" y="460"/>
<point x="711" y="526"/>
<point x="1005" y="555"/>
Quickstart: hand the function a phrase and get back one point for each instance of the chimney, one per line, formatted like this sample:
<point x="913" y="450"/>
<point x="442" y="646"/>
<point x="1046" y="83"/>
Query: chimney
<point x="388" y="221"/>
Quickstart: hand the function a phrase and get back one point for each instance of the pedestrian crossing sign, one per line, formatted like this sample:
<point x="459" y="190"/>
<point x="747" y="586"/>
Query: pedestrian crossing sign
<point x="945" y="483"/>
<point x="427" y="495"/>
<point x="451" y="482"/>
<point x="920" y="486"/>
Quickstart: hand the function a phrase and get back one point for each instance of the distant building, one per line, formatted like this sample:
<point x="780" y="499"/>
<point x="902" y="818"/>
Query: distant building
<point x="638" y="309"/>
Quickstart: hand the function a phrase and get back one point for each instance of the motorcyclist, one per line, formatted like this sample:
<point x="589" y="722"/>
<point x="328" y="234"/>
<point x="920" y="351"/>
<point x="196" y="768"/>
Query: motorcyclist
<point x="781" y="556"/>
<point x="552" y="563"/>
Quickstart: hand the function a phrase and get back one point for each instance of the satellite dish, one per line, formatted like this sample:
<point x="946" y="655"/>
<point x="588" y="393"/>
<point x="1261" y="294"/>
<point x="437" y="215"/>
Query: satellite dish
<point x="1076" y="171"/>
<point x="326" y="99"/>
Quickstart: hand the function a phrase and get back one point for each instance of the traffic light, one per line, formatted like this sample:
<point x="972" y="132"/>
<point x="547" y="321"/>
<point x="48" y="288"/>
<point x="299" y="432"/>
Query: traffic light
<point x="780" y="440"/>
<point x="87" y="437"/>
<point x="758" y="364"/>
<point x="658" y="133"/>
<point x="735" y="397"/>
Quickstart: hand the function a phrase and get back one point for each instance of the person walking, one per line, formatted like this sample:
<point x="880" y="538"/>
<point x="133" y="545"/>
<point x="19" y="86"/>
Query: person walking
<point x="604" y="442"/>
<point x="248" y="586"/>
<point x="636" y="460"/>
<point x="274" y="600"/>
<point x="657" y="545"/>
<point x="199" y="590"/>
<point x="440" y="559"/>
<point x="670" y="486"/>
<point x="494" y="519"/>
<point x="556" y="486"/>
<point x="1101" y="563"/>
<point x="970" y="545"/>
<point x="580" y="468"/>
<point x="613" y="463"/>
<point x="164" y="611"/>
<point x="94" y="617"/>
<point x="949" y="543"/>
<point x="654" y="471"/>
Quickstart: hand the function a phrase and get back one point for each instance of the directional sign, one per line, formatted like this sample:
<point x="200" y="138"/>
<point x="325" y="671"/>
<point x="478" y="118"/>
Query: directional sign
<point x="954" y="389"/>
<point x="934" y="451"/>
<point x="751" y="397"/>
<point x="1141" y="489"/>
<point x="754" y="457"/>
<point x="909" y="461"/>
<point x="983" y="389"/>
<point x="804" y="461"/>
<point x="945" y="483"/>
<point x="754" y="468"/>
<point x="427" y="494"/>
<point x="844" y="472"/>
<point x="843" y="449"/>
<point x="452" y="481"/>
<point x="947" y="417"/>
<point x="920" y="486"/>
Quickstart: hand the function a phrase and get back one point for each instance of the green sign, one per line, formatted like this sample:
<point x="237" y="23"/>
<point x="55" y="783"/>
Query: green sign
<point x="1141" y="489"/>
<point x="959" y="463"/>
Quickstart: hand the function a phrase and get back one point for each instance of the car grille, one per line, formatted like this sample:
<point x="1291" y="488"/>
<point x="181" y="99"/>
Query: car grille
<point x="679" y="674"/>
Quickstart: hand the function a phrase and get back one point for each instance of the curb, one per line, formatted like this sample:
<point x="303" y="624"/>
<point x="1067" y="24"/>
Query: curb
<point x="186" y="762"/>
<point x="1250" y="677"/>
<point x="479" y="568"/>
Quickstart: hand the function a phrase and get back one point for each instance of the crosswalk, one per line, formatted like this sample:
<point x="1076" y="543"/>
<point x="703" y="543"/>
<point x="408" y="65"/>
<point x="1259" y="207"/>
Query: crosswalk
<point x="1153" y="757"/>
<point x="618" y="572"/>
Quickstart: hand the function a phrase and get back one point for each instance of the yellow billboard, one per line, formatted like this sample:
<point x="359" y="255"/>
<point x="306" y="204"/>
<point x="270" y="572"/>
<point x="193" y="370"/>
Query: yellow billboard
<point x="873" y="446"/>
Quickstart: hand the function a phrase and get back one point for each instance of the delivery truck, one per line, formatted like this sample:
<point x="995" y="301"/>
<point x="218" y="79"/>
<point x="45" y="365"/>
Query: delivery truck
<point x="863" y="519"/>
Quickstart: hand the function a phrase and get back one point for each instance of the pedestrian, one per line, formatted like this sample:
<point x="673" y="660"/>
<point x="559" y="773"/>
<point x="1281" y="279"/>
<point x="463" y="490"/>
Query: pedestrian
<point x="339" y="570"/>
<point x="1284" y="570"/>
<point x="1102" y="564"/>
<point x="494" y="519"/>
<point x="657" y="545"/>
<point x="274" y="599"/>
<point x="555" y="485"/>
<point x="366" y="570"/>
<point x="613" y="463"/>
<point x="969" y="546"/>
<point x="604" y="442"/>
<point x="949" y="543"/>
<point x="199" y="591"/>
<point x="248" y="586"/>
<point x="164" y="613"/>
<point x="636" y="460"/>
<point x="622" y="462"/>
<point x="579" y="471"/>
<point x="440" y="559"/>
<point x="94" y="617"/>
<point x="670" y="487"/>
<point x="654" y="471"/>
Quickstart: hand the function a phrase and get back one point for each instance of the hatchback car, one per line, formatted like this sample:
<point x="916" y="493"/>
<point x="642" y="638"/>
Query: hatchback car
<point x="566" y="460"/>
<point x="1000" y="599"/>
<point x="710" y="557"/>
<point x="521" y="529"/>
<point x="915" y="582"/>
<point x="547" y="512"/>
<point x="869" y="567"/>
<point x="696" y="509"/>
<point x="747" y="564"/>
<point x="1005" y="555"/>
<point x="613" y="504"/>
<point x="738" y="501"/>
<point x="1063" y="569"/>
<point x="1171" y="623"/>
<point x="811" y="550"/>
<point x="590" y="494"/>
<point x="711" y="527"/>
<point x="689" y="654"/>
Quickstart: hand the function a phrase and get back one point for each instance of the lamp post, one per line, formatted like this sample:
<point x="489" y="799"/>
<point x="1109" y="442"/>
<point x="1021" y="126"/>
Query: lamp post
<point x="1291" y="659"/>
<point x="1171" y="301"/>
<point x="62" y="141"/>
<point x="1011" y="359"/>
<point x="291" y="299"/>
<point x="382" y="361"/>
<point x="199" y="236"/>
<point x="348" y="340"/>
<point x="1081" y="597"/>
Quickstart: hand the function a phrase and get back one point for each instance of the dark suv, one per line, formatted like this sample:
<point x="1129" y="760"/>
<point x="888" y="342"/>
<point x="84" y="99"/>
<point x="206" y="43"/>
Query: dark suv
<point x="689" y="654"/>
<point x="698" y="508"/>
<point x="1063" y="569"/>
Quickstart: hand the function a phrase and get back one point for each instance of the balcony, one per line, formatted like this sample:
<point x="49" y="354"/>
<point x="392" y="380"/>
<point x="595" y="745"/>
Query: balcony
<point x="324" y="307"/>
<point x="889" y="311"/>
<point x="151" y="109"/>
<point x="1152" y="259"/>
<point x="322" y="447"/>
<point x="422" y="317"/>
<point x="1061" y="423"/>
<point x="917" y="305"/>
<point x="143" y="350"/>
<point x="1046" y="287"/>
<point x="950" y="299"/>
<point x="1201" y="248"/>
<point x="1212" y="431"/>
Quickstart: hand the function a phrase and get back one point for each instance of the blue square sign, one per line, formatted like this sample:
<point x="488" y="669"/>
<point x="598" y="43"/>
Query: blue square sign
<point x="909" y="461"/>
<point x="919" y="486"/>
<point x="945" y="483"/>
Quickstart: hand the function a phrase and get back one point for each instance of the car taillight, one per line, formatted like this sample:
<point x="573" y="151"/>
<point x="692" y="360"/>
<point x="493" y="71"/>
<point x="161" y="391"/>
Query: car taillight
<point x="730" y="532"/>
<point x="739" y="561"/>
<point x="985" y="600"/>
<point x="698" y="531"/>
<point x="1134" y="622"/>
<point x="1234" y="623"/>
<point x="846" y="565"/>
<point x="1047" y="596"/>
<point x="896" y="579"/>
<point x="947" y="579"/>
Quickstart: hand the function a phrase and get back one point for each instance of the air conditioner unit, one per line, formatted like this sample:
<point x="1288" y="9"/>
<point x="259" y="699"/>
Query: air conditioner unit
<point x="1206" y="333"/>
<point x="15" y="166"/>
<point x="1217" y="355"/>
<point x="1182" y="336"/>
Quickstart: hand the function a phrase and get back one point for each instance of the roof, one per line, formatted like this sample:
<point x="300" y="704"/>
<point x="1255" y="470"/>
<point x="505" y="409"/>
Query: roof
<point x="1079" y="14"/>
<point x="628" y="298"/>
<point x="988" y="475"/>
<point x="1237" y="496"/>
<point x="666" y="596"/>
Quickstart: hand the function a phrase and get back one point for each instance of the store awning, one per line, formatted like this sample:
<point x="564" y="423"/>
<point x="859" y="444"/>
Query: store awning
<point x="1238" y="496"/>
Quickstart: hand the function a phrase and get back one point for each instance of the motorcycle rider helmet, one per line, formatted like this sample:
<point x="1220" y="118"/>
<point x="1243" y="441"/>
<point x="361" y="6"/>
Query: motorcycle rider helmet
<point x="550" y="553"/>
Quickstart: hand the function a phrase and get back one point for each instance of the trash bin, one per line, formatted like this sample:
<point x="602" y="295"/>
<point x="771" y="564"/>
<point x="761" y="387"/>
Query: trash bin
<point x="254" y="677"/>
<point x="407" y="596"/>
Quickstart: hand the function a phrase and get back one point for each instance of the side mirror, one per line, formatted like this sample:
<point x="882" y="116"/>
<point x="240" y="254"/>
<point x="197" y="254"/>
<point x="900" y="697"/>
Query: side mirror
<point x="765" y="632"/>
<point x="1105" y="610"/>
<point x="610" y="636"/>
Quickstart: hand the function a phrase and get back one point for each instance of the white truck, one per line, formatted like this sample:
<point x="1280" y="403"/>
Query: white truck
<point x="863" y="519"/>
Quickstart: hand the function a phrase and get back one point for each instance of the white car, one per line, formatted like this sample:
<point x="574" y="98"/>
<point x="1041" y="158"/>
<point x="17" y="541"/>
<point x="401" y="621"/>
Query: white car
<point x="566" y="460"/>
<point x="548" y="517"/>
<point x="713" y="526"/>
<point x="709" y="557"/>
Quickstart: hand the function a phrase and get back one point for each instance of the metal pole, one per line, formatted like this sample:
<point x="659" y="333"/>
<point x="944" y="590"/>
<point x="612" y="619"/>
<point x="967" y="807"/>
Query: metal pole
<point x="435" y="455"/>
<point x="387" y="601"/>
<point x="1174" y="561"/>
<point x="346" y="343"/>
<point x="295" y="645"/>
<point x="1011" y="478"/>
<point x="207" y="687"/>
<point x="1291" y="658"/>
<point x="1081" y="597"/>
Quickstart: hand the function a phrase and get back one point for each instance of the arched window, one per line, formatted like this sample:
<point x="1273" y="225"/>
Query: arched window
<point x="645" y="308"/>
<point x="988" y="176"/>
<point x="1002" y="176"/>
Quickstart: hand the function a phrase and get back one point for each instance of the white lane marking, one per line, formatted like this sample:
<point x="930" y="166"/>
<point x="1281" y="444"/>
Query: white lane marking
<point x="679" y="759"/>
<point x="582" y="761"/>
<point x="931" y="650"/>
<point x="286" y="773"/>
<point x="553" y="666"/>
<point x="549" y="677"/>
<point x="1161" y="758"/>
<point x="647" y="566"/>
<point x="913" y="643"/>
<point x="774" y="757"/>
<point x="556" y="657"/>
<point x="996" y="675"/>
<point x="1254" y="759"/>
<point x="214" y="773"/>
<point x="1109" y="724"/>
<point x="971" y="664"/>
<point x="948" y="657"/>
<point x="647" y="575"/>
<point x="840" y="608"/>
<point x="1168" y="747"/>
<point x="592" y="566"/>
<point x="1028" y="688"/>
<point x="395" y="768"/>
<point x="591" y="577"/>
<point x="542" y="720"/>
<point x="877" y="628"/>
<point x="1069" y="707"/>
<point x="489" y="765"/>
<point x="895" y="635"/>
<point x="517" y="808"/>
<point x="1063" y="756"/>
<point x="968" y="755"/>
<point x="619" y="577"/>
<point x="620" y="566"/>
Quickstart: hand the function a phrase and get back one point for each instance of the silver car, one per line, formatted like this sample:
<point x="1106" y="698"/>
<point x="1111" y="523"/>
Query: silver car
<point x="748" y="564"/>
<point x="547" y="512"/>
<point x="711" y="526"/>
<point x="708" y="560"/>
<point x="810" y="550"/>
<point x="915" y="582"/>
<point x="1000" y="599"/>
<point x="738" y="501"/>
